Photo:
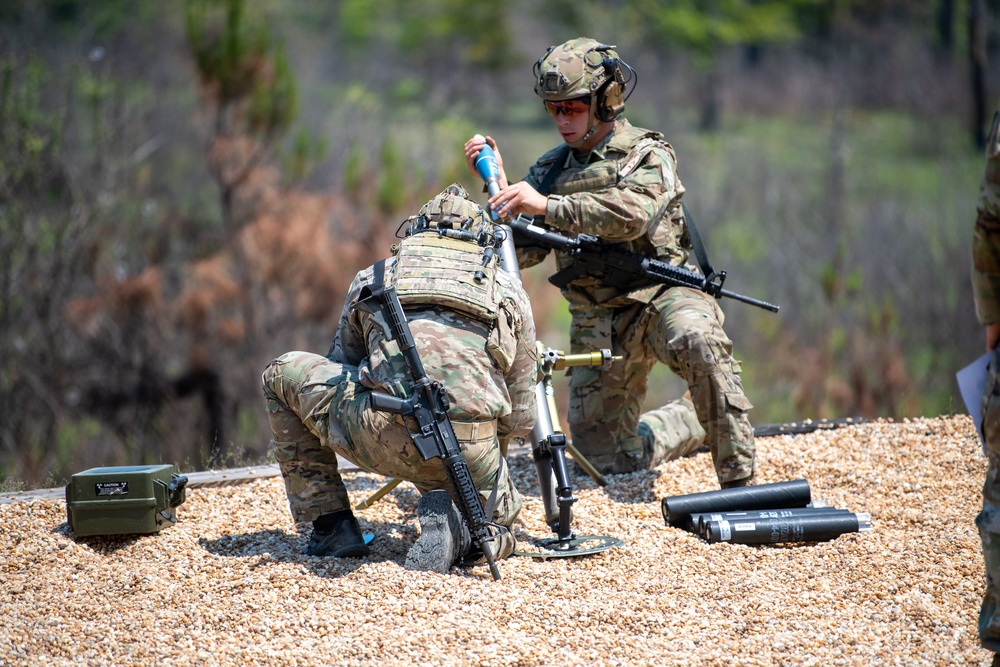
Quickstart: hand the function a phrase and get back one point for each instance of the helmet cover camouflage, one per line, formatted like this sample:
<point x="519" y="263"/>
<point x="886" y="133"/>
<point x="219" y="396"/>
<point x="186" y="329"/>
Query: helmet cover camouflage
<point x="583" y="67"/>
<point x="452" y="209"/>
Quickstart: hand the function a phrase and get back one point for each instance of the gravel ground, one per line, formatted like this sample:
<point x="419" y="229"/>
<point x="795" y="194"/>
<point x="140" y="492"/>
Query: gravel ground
<point x="227" y="584"/>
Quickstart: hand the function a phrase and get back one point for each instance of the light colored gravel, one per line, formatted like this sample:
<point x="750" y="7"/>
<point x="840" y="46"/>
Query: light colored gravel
<point x="227" y="586"/>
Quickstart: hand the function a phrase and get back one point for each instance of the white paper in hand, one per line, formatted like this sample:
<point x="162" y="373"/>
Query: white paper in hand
<point x="971" y="384"/>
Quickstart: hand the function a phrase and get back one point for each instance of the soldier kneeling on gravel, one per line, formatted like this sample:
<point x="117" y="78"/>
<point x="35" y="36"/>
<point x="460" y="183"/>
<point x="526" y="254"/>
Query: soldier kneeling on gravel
<point x="474" y="332"/>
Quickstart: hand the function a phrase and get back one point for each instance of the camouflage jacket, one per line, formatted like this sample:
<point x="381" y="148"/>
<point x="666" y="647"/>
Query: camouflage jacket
<point x="627" y="191"/>
<point x="986" y="236"/>
<point x="465" y="354"/>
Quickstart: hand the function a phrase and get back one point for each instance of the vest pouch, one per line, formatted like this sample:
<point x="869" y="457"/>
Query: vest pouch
<point x="432" y="270"/>
<point x="502" y="343"/>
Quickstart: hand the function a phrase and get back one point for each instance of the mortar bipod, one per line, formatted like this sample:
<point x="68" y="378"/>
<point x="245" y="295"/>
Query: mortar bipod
<point x="549" y="446"/>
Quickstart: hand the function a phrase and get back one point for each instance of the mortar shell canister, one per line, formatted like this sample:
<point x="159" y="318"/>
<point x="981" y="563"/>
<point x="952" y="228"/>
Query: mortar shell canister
<point x="817" y="528"/>
<point x="777" y="495"/>
<point x="700" y="521"/>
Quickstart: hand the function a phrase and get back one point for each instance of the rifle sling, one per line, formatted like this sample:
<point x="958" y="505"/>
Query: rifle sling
<point x="554" y="171"/>
<point x="697" y="244"/>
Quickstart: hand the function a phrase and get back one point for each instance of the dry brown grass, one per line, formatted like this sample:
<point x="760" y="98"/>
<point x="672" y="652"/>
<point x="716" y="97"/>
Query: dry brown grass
<point x="227" y="586"/>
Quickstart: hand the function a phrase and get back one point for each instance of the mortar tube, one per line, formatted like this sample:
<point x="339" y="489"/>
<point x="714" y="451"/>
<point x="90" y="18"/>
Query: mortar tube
<point x="508" y="253"/>
<point x="542" y="456"/>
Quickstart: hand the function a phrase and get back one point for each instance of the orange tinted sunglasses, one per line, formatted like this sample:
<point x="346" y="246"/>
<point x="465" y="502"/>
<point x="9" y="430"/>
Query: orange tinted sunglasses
<point x="568" y="108"/>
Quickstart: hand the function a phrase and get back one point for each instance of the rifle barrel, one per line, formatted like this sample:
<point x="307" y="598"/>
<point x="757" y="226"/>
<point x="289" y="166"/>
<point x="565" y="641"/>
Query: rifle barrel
<point x="750" y="300"/>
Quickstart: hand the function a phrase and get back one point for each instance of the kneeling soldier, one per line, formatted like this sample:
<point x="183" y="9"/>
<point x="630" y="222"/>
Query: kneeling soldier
<point x="474" y="332"/>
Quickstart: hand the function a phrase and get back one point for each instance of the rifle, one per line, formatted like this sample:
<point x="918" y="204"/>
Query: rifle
<point x="427" y="408"/>
<point x="621" y="268"/>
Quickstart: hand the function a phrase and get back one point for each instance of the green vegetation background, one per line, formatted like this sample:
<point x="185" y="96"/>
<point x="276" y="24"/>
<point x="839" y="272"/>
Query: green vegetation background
<point x="186" y="190"/>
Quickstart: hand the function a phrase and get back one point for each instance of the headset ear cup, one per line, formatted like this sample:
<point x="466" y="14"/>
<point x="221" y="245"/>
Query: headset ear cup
<point x="609" y="101"/>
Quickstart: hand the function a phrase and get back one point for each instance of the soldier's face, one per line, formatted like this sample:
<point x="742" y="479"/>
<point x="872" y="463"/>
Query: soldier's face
<point x="572" y="118"/>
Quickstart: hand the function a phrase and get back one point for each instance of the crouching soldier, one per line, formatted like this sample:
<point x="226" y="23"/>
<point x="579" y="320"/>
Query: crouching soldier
<point x="474" y="333"/>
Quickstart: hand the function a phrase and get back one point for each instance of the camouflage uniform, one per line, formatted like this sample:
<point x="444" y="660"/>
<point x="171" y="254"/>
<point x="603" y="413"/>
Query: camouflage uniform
<point x="320" y="407"/>
<point x="626" y="190"/>
<point x="986" y="288"/>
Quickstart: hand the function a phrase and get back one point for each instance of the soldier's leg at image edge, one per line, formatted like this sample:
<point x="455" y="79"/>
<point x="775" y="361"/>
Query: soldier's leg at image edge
<point x="689" y="338"/>
<point x="988" y="520"/>
<point x="300" y="387"/>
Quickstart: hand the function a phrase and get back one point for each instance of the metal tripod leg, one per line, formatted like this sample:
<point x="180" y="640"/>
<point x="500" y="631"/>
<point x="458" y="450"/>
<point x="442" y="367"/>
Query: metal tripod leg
<point x="549" y="447"/>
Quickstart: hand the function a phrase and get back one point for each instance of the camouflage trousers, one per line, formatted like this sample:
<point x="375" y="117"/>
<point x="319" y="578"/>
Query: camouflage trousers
<point x="681" y="328"/>
<point x="988" y="520"/>
<point x="318" y="409"/>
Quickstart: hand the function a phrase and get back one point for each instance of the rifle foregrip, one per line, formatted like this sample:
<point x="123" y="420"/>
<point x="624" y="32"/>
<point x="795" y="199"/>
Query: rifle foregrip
<point x="470" y="503"/>
<point x="397" y="320"/>
<point x="672" y="275"/>
<point x="471" y="507"/>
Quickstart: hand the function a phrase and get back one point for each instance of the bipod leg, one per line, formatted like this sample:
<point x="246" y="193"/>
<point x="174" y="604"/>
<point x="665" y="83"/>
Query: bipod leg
<point x="375" y="497"/>
<point x="549" y="447"/>
<point x="594" y="473"/>
<point x="542" y="457"/>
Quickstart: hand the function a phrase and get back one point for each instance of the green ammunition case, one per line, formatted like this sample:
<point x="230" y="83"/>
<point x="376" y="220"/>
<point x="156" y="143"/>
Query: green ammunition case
<point x="124" y="500"/>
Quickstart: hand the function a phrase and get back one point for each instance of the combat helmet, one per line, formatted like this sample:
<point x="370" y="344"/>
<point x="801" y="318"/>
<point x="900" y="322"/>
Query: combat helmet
<point x="451" y="210"/>
<point x="583" y="68"/>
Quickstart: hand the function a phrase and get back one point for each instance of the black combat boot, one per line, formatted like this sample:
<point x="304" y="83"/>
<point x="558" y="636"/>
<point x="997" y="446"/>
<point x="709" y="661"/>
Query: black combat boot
<point x="444" y="538"/>
<point x="337" y="534"/>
